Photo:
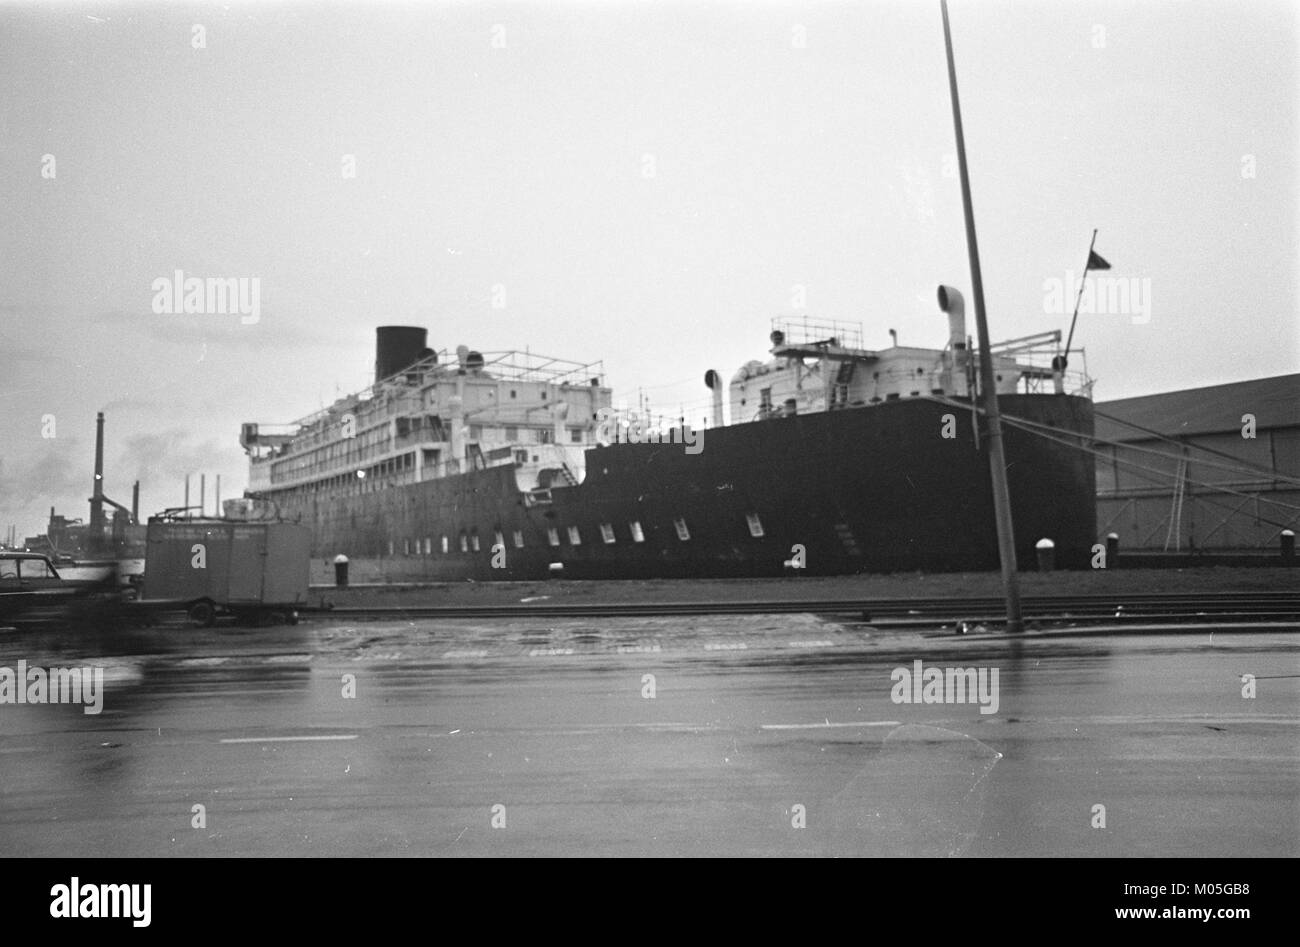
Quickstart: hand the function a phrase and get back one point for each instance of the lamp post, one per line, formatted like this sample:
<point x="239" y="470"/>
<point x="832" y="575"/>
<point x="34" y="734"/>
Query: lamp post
<point x="997" y="458"/>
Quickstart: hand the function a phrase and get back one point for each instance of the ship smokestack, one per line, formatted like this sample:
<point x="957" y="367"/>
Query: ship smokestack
<point x="397" y="347"/>
<point x="713" y="381"/>
<point x="951" y="302"/>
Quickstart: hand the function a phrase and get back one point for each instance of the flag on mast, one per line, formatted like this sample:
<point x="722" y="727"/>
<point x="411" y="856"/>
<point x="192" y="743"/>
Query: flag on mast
<point x="1095" y="262"/>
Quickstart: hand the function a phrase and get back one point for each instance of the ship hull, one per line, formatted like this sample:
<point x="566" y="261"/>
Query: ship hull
<point x="878" y="489"/>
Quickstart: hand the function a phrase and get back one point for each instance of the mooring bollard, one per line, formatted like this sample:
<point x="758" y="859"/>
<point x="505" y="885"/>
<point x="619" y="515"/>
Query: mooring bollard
<point x="1112" y="550"/>
<point x="341" y="571"/>
<point x="1046" y="550"/>
<point x="1288" y="545"/>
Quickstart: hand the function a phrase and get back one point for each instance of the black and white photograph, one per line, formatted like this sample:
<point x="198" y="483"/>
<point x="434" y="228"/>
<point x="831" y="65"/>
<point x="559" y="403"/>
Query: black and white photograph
<point x="698" y="429"/>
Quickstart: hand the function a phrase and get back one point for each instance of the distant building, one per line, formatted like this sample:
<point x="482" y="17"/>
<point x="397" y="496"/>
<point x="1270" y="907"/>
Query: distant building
<point x="1209" y="469"/>
<point x="118" y="535"/>
<point x="72" y="538"/>
<point x="62" y="537"/>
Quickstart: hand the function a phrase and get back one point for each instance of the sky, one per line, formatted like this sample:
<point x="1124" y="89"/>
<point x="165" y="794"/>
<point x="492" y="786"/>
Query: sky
<point x="641" y="184"/>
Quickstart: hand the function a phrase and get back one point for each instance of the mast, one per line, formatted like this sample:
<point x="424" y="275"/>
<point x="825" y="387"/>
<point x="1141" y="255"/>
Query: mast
<point x="997" y="458"/>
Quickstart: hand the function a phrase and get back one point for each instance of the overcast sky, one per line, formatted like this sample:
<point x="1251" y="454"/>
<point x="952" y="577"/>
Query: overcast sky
<point x="643" y="184"/>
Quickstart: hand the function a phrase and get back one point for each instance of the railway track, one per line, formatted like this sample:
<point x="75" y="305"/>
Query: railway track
<point x="1126" y="608"/>
<point x="956" y="614"/>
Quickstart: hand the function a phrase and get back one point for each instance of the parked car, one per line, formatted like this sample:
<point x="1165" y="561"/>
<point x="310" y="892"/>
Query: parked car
<point x="33" y="592"/>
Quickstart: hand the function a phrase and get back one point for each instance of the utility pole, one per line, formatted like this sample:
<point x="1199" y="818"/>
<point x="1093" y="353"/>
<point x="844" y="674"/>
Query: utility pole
<point x="997" y="458"/>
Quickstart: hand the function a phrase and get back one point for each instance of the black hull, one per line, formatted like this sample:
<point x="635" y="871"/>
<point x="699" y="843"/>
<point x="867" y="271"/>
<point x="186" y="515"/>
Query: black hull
<point x="874" y="489"/>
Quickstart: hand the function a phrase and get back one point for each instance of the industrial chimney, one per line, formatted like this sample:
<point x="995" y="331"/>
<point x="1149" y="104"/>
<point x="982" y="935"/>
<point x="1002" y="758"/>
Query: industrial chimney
<point x="96" y="537"/>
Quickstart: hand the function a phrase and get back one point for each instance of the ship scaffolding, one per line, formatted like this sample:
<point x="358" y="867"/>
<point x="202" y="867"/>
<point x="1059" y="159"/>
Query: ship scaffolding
<point x="432" y="415"/>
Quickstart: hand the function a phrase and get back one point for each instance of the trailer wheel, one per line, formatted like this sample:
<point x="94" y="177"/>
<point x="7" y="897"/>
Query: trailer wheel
<point x="291" y="617"/>
<point x="203" y="614"/>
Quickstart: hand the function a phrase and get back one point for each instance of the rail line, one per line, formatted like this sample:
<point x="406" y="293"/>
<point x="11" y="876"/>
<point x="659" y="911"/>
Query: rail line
<point x="1123" y="608"/>
<point x="958" y="614"/>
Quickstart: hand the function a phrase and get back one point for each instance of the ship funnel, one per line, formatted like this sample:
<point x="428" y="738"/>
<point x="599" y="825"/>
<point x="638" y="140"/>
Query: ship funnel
<point x="713" y="381"/>
<point x="396" y="347"/>
<point x="950" y="301"/>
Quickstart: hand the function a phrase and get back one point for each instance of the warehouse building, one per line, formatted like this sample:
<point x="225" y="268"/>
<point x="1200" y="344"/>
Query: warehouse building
<point x="1212" y="469"/>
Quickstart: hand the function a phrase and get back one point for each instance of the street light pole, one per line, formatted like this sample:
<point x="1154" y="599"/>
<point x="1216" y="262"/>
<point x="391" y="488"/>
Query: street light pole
<point x="997" y="458"/>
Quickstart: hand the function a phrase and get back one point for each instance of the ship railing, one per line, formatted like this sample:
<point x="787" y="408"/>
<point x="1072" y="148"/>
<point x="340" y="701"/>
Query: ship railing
<point x="513" y="365"/>
<point x="1075" y="383"/>
<point x="1033" y="356"/>
<point x="312" y="420"/>
<point x="498" y="457"/>
<point x="412" y="373"/>
<point x="804" y="331"/>
<point x="507" y="365"/>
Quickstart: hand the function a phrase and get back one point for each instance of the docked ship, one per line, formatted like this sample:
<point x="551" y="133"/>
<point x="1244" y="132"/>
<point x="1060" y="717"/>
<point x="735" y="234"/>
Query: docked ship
<point x="837" y="459"/>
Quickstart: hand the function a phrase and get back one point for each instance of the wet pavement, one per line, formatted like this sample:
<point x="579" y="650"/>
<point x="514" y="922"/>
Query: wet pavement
<point x="743" y="735"/>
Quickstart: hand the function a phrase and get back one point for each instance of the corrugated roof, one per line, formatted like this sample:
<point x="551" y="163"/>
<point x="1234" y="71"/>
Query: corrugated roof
<point x="1275" y="402"/>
